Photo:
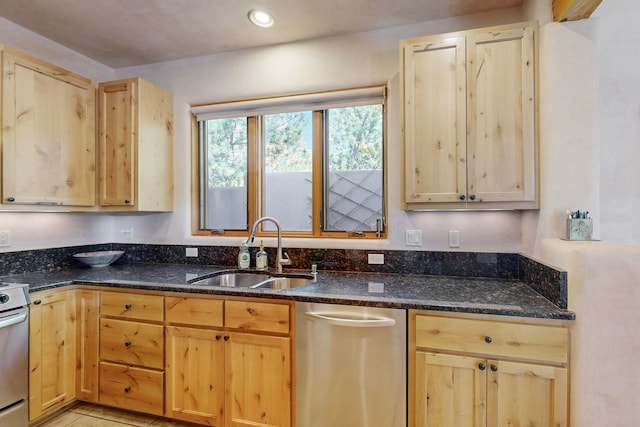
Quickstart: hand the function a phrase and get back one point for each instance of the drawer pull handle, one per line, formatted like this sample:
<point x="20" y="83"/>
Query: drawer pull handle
<point x="127" y="344"/>
<point x="128" y="306"/>
<point x="494" y="368"/>
<point x="482" y="366"/>
<point x="226" y="337"/>
<point x="488" y="339"/>
<point x="127" y="389"/>
<point x="37" y="302"/>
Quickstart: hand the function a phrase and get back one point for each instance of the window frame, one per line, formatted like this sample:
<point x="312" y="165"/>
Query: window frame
<point x="255" y="179"/>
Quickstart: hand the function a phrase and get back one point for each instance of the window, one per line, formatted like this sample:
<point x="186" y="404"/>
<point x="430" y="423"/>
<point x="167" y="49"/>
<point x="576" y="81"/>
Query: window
<point x="314" y="162"/>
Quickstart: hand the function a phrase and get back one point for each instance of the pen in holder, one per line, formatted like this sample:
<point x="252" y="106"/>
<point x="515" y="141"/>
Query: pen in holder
<point x="579" y="226"/>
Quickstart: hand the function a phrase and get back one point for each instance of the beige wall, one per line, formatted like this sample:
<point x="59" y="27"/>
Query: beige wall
<point x="588" y="128"/>
<point x="332" y="63"/>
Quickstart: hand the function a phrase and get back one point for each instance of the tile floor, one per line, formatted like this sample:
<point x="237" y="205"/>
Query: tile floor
<point x="86" y="415"/>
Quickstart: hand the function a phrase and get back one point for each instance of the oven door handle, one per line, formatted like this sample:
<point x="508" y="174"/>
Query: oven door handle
<point x="349" y="320"/>
<point x="13" y="320"/>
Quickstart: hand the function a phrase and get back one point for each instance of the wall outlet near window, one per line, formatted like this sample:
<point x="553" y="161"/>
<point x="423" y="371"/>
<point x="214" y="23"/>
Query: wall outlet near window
<point x="5" y="239"/>
<point x="454" y="238"/>
<point x="191" y="252"/>
<point x="375" y="258"/>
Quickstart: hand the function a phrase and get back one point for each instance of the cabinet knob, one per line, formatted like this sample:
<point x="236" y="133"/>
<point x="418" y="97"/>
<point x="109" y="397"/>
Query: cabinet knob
<point x="494" y="368"/>
<point x="127" y="389"/>
<point x="226" y="337"/>
<point x="128" y="306"/>
<point x="488" y="339"/>
<point x="218" y="337"/>
<point x="462" y="197"/>
<point x="11" y="199"/>
<point x="482" y="366"/>
<point x="127" y="202"/>
<point x="37" y="302"/>
<point x="127" y="344"/>
<point x="472" y="197"/>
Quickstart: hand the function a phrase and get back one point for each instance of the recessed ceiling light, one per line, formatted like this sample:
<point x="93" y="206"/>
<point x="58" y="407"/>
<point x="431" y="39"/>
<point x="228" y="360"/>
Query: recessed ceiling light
<point x="260" y="18"/>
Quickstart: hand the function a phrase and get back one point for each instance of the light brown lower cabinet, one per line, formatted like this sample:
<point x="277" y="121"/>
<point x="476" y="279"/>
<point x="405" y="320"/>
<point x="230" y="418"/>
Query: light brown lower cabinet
<point x="487" y="372"/>
<point x="52" y="351"/>
<point x="132" y="351"/>
<point x="195" y="375"/>
<point x="131" y="387"/>
<point x="230" y="370"/>
<point x="87" y="333"/>
<point x="258" y="380"/>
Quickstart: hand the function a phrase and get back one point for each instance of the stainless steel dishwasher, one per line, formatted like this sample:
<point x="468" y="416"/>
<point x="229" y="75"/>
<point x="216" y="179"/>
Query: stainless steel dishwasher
<point x="351" y="366"/>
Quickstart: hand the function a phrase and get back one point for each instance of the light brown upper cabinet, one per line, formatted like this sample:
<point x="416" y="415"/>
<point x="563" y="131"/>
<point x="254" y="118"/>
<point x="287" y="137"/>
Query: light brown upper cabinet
<point x="469" y="123"/>
<point x="48" y="135"/>
<point x="136" y="146"/>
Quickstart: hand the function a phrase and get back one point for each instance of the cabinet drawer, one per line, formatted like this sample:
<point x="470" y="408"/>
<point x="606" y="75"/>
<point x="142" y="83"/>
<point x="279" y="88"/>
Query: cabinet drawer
<point x="132" y="388"/>
<point x="533" y="342"/>
<point x="134" y="343"/>
<point x="257" y="316"/>
<point x="132" y="306"/>
<point x="194" y="311"/>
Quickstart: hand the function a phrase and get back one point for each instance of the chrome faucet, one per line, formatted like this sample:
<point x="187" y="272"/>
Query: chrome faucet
<point x="280" y="260"/>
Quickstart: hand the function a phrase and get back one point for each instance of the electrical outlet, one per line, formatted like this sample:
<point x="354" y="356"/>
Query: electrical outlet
<point x="454" y="238"/>
<point x="5" y="239"/>
<point x="375" y="258"/>
<point x="191" y="252"/>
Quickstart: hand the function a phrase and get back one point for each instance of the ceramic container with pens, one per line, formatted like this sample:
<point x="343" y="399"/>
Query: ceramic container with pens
<point x="579" y="226"/>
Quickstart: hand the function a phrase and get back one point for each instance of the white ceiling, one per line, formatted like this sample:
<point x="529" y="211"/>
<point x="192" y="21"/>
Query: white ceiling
<point x="121" y="33"/>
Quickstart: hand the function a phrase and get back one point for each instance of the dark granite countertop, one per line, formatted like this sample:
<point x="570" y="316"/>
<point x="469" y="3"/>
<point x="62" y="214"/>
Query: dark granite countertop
<point x="442" y="293"/>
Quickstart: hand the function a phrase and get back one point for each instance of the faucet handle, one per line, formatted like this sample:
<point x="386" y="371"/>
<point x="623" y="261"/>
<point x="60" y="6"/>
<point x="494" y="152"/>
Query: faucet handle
<point x="285" y="259"/>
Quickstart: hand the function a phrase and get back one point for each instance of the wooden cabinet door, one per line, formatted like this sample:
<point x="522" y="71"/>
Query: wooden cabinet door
<point x="52" y="352"/>
<point x="136" y="146"/>
<point x="88" y="305"/>
<point x="48" y="152"/>
<point x="521" y="394"/>
<point x="118" y="128"/>
<point x="195" y="375"/>
<point x="449" y="391"/>
<point x="501" y="116"/>
<point x="435" y="120"/>
<point x="258" y="381"/>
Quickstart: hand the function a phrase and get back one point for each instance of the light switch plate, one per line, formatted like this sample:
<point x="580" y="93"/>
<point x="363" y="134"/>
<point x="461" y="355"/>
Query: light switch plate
<point x="413" y="237"/>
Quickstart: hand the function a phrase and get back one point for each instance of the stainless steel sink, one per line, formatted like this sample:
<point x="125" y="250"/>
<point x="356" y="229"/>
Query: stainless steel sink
<point x="253" y="281"/>
<point x="283" y="282"/>
<point x="233" y="280"/>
